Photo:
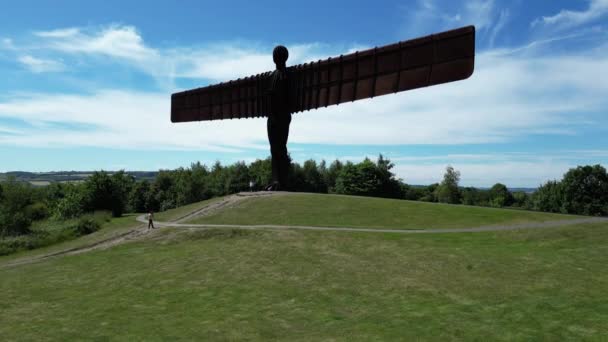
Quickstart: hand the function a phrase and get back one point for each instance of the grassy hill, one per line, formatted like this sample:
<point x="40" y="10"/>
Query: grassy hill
<point x="351" y="211"/>
<point x="216" y="284"/>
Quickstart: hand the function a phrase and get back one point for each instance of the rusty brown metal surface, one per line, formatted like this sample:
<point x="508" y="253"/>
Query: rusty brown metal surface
<point x="439" y="58"/>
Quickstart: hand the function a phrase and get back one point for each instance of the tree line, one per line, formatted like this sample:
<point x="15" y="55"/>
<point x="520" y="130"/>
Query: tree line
<point x="583" y="190"/>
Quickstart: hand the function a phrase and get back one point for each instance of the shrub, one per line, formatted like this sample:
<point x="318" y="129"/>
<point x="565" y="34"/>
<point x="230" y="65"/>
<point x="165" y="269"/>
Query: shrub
<point x="86" y="225"/>
<point x="37" y="211"/>
<point x="102" y="216"/>
<point x="16" y="223"/>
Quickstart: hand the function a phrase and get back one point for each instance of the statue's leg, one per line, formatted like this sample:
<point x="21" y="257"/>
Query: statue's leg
<point x="284" y="157"/>
<point x="275" y="150"/>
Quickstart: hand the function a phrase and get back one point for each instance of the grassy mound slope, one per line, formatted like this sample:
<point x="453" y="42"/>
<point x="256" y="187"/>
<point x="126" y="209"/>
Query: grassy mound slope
<point x="353" y="211"/>
<point x="306" y="285"/>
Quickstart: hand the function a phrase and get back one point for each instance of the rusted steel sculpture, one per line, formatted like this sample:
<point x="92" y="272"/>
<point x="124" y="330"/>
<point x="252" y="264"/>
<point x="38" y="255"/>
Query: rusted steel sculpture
<point x="439" y="58"/>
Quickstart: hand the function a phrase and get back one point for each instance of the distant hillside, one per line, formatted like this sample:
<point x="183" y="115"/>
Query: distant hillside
<point x="45" y="178"/>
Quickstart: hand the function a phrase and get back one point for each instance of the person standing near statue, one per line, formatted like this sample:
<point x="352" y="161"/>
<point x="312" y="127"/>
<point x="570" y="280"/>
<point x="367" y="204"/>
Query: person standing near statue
<point x="150" y="219"/>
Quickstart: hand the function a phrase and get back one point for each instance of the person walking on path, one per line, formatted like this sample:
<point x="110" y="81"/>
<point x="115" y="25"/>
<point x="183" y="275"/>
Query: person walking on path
<point x="151" y="219"/>
<point x="251" y="184"/>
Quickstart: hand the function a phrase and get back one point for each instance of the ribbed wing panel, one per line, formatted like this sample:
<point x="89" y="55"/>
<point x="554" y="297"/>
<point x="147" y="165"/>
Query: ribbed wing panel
<point x="243" y="98"/>
<point x="422" y="62"/>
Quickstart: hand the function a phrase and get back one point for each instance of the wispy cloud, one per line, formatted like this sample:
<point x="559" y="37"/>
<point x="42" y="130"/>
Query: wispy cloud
<point x="215" y="61"/>
<point x="39" y="65"/>
<point x="503" y="18"/>
<point x="568" y="19"/>
<point x="115" y="41"/>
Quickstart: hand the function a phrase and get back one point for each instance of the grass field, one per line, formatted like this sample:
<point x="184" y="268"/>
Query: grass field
<point x="368" y="212"/>
<point x="302" y="285"/>
<point x="547" y="284"/>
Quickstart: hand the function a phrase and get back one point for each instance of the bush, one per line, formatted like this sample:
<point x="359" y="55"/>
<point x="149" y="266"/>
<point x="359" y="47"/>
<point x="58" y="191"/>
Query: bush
<point x="37" y="211"/>
<point x="87" y="225"/>
<point x="14" y="244"/>
<point x="102" y="216"/>
<point x="13" y="224"/>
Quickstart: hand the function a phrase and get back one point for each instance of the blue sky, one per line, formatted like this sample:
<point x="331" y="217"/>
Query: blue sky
<point x="86" y="85"/>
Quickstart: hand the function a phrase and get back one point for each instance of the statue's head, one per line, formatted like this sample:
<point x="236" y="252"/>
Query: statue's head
<point x="279" y="56"/>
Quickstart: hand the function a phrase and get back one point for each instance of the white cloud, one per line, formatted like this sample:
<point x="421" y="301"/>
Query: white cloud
<point x="39" y="65"/>
<point x="215" y="62"/>
<point x="59" y="33"/>
<point x="115" y="41"/>
<point x="567" y="19"/>
<point x="117" y="119"/>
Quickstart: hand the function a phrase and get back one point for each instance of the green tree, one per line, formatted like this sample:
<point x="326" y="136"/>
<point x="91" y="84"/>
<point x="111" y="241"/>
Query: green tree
<point x="313" y="179"/>
<point x="448" y="191"/>
<point x="122" y="185"/>
<point x="429" y="193"/>
<point x="332" y="175"/>
<point x="585" y="191"/>
<point x="105" y="192"/>
<point x="390" y="186"/>
<point x="72" y="203"/>
<point x="548" y="197"/>
<point x="260" y="172"/>
<point x="164" y="191"/>
<point x="238" y="179"/>
<point x="521" y="200"/>
<point x="500" y="196"/>
<point x="199" y="181"/>
<point x="139" y="196"/>
<point x="297" y="181"/>
<point x="412" y="193"/>
<point x="363" y="179"/>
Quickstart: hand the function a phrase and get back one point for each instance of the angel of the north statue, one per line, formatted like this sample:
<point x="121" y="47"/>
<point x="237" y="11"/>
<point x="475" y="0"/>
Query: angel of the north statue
<point x="426" y="61"/>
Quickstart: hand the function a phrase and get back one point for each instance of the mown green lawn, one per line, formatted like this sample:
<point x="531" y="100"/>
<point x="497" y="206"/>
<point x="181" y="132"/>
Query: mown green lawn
<point x="368" y="212"/>
<point x="304" y="285"/>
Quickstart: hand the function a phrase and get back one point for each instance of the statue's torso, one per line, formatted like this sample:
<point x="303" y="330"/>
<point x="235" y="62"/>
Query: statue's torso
<point x="279" y="95"/>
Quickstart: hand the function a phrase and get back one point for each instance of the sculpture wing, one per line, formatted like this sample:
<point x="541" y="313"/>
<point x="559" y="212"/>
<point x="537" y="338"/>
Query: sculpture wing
<point x="440" y="58"/>
<point x="243" y="98"/>
<point x="435" y="59"/>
